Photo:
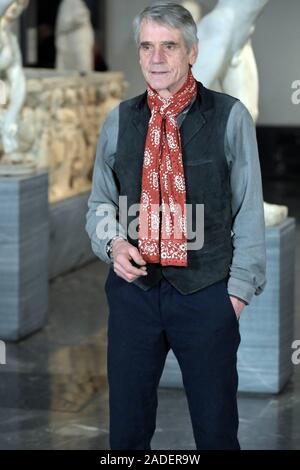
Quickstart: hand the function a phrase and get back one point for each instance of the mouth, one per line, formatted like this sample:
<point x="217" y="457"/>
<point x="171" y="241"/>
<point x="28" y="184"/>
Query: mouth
<point x="158" y="73"/>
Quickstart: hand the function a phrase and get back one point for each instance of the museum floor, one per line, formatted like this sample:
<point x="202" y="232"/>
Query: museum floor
<point x="53" y="389"/>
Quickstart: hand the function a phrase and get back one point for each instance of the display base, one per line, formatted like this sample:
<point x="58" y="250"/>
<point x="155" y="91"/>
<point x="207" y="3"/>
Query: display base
<point x="24" y="237"/>
<point x="266" y="325"/>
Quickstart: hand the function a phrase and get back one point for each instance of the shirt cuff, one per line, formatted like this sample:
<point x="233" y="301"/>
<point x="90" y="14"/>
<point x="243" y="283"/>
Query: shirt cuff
<point x="241" y="289"/>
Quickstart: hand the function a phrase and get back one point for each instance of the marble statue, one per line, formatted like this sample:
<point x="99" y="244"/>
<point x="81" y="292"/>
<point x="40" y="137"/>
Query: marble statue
<point x="12" y="74"/>
<point x="226" y="61"/>
<point x="4" y="5"/>
<point x="194" y="8"/>
<point x="74" y="37"/>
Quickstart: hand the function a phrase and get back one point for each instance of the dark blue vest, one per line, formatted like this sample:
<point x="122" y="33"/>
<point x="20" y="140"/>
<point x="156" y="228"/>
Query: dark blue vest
<point x="207" y="180"/>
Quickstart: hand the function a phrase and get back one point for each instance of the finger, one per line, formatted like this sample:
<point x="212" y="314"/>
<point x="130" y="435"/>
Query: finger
<point x="123" y="257"/>
<point x="136" y="265"/>
<point x="127" y="266"/>
<point x="120" y="271"/>
<point x="136" y="256"/>
<point x="121" y="275"/>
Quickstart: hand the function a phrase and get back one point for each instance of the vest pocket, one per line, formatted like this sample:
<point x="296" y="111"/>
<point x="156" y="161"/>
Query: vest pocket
<point x="197" y="162"/>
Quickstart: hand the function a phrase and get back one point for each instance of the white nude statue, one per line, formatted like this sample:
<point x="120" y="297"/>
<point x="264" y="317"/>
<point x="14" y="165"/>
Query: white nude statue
<point x="74" y="37"/>
<point x="194" y="8"/>
<point x="11" y="73"/>
<point x="226" y="61"/>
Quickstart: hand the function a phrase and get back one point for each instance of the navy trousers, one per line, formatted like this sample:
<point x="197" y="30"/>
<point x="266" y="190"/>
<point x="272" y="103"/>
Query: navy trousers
<point x="203" y="332"/>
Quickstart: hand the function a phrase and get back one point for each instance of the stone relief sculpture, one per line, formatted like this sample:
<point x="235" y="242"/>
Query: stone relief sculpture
<point x="11" y="73"/>
<point x="60" y="122"/>
<point x="226" y="61"/>
<point x="51" y="119"/>
<point x="74" y="36"/>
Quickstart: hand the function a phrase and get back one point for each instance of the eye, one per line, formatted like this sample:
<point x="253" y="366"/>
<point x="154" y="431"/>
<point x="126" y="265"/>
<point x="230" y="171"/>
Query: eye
<point x="170" y="47"/>
<point x="145" y="47"/>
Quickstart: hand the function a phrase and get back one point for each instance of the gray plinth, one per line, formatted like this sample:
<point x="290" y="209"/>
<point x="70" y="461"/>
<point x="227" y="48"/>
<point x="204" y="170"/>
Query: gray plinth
<point x="266" y="326"/>
<point x="23" y="254"/>
<point x="70" y="246"/>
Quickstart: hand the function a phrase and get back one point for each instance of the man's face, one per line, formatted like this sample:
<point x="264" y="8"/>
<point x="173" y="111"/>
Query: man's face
<point x="164" y="57"/>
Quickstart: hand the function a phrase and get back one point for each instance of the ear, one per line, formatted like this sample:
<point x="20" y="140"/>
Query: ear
<point x="193" y="54"/>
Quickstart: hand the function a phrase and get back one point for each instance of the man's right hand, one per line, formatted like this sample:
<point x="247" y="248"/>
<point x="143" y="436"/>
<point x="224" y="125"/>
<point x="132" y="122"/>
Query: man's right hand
<point x="122" y="253"/>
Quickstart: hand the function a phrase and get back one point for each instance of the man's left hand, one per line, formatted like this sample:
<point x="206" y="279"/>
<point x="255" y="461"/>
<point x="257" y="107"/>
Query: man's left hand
<point x="238" y="305"/>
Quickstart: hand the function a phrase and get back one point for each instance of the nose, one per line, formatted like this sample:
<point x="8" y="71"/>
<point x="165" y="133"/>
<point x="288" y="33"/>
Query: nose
<point x="157" y="55"/>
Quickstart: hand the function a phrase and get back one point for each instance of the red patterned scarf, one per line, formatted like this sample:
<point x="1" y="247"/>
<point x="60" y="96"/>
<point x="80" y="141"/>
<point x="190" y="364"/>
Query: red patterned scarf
<point x="164" y="239"/>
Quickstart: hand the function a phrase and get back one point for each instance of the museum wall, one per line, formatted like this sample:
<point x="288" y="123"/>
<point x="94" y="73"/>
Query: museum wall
<point x="121" y="52"/>
<point x="276" y="46"/>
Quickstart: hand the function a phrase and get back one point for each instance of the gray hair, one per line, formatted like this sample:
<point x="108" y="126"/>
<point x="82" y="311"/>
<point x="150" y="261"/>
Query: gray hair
<point x="172" y="15"/>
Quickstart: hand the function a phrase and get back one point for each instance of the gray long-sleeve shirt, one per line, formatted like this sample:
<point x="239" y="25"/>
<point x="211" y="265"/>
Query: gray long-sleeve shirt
<point x="247" y="270"/>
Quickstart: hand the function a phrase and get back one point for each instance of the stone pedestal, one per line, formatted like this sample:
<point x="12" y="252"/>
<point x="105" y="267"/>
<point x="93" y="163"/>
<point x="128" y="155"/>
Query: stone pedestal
<point x="266" y="326"/>
<point x="69" y="244"/>
<point x="264" y="358"/>
<point x="23" y="254"/>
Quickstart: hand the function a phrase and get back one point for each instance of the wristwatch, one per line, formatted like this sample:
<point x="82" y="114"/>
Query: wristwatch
<point x="110" y="245"/>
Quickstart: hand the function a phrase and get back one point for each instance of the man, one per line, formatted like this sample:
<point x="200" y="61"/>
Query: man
<point x="177" y="144"/>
